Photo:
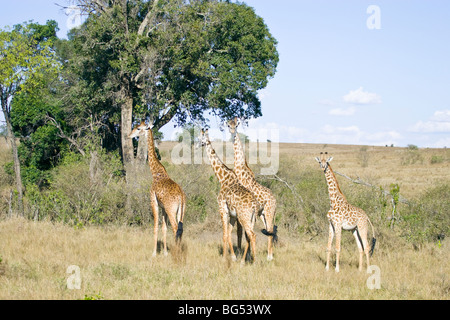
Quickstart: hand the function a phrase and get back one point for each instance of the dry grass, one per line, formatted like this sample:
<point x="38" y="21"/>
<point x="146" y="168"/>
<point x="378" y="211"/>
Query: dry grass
<point x="116" y="263"/>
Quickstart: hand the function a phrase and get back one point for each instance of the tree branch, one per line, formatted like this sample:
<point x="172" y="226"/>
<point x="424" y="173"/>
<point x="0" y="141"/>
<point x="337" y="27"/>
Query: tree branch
<point x="165" y="119"/>
<point x="277" y="178"/>
<point x="358" y="180"/>
<point x="64" y="136"/>
<point x="147" y="20"/>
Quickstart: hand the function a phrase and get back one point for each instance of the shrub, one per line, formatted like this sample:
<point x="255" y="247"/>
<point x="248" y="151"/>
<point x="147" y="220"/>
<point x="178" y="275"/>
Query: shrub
<point x="428" y="218"/>
<point x="436" y="159"/>
<point x="77" y="194"/>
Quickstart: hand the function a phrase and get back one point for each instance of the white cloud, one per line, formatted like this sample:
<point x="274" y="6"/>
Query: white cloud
<point x="355" y="136"/>
<point x="383" y="138"/>
<point x="360" y="96"/>
<point x="431" y="126"/>
<point x="343" y="112"/>
<point x="444" y="142"/>
<point x="438" y="123"/>
<point x="441" y="116"/>
<point x="257" y="130"/>
<point x="326" y="134"/>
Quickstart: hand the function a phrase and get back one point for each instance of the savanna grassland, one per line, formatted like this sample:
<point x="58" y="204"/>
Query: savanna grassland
<point x="114" y="253"/>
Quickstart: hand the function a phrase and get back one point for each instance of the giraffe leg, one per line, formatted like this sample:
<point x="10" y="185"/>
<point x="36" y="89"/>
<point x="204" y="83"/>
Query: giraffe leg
<point x="164" y="230"/>
<point x="357" y="236"/>
<point x="273" y="229"/>
<point x="172" y="217"/>
<point x="268" y="218"/>
<point x="251" y="238"/>
<point x="224" y="217"/>
<point x="245" y="249"/>
<point x="251" y="243"/>
<point x="330" y="242"/>
<point x="239" y="235"/>
<point x="363" y="229"/>
<point x="338" y="233"/>
<point x="230" y="242"/>
<point x="155" y="210"/>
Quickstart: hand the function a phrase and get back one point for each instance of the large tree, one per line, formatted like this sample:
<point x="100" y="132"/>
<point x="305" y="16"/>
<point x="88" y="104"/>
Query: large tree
<point x="163" y="60"/>
<point x="26" y="62"/>
<point x="173" y="59"/>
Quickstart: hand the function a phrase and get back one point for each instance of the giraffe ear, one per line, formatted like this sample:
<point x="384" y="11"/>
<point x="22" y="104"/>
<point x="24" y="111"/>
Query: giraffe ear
<point x="317" y="159"/>
<point x="330" y="159"/>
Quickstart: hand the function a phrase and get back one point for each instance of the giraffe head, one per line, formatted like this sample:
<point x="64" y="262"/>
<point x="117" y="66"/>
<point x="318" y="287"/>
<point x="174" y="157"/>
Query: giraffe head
<point x="232" y="126"/>
<point x="203" y="138"/>
<point x="140" y="129"/>
<point x="323" y="161"/>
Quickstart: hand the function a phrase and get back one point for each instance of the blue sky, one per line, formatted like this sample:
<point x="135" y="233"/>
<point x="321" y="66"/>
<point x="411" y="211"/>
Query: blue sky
<point x="339" y="81"/>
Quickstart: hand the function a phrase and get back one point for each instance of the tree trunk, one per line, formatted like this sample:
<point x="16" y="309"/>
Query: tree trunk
<point x="128" y="152"/>
<point x="126" y="123"/>
<point x="19" y="184"/>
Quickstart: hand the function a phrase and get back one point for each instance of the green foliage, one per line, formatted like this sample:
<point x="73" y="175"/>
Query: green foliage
<point x="197" y="205"/>
<point x="27" y="59"/>
<point x="81" y="192"/>
<point x="395" y="192"/>
<point x="412" y="156"/>
<point x="436" y="159"/>
<point x="95" y="296"/>
<point x="428" y="218"/>
<point x="199" y="55"/>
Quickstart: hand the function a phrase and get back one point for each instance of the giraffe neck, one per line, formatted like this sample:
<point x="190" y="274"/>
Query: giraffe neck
<point x="333" y="186"/>
<point x="157" y="169"/>
<point x="240" y="163"/>
<point x="224" y="174"/>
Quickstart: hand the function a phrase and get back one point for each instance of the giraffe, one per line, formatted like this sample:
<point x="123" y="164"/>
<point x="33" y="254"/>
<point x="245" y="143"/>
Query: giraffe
<point x="236" y="203"/>
<point x="164" y="192"/>
<point x="343" y="215"/>
<point x="264" y="196"/>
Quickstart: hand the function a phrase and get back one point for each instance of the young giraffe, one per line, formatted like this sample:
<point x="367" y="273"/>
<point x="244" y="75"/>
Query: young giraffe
<point x="235" y="203"/>
<point x="164" y="193"/>
<point x="343" y="215"/>
<point x="262" y="194"/>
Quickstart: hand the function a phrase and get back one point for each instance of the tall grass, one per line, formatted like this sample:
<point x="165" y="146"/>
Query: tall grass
<point x="115" y="263"/>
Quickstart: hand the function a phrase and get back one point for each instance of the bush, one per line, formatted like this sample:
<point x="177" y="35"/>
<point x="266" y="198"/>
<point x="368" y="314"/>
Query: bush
<point x="412" y="156"/>
<point x="77" y="194"/>
<point x="428" y="218"/>
<point x="436" y="159"/>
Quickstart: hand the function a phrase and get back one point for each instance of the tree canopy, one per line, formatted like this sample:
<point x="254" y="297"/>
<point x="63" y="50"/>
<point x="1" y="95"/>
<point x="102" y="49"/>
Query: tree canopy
<point x="131" y="60"/>
<point x="27" y="62"/>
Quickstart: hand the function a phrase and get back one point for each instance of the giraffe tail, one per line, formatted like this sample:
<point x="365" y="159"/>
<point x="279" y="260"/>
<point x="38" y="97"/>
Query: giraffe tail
<point x="372" y="247"/>
<point x="179" y="231"/>
<point x="271" y="234"/>
<point x="180" y="217"/>
<point x="374" y="240"/>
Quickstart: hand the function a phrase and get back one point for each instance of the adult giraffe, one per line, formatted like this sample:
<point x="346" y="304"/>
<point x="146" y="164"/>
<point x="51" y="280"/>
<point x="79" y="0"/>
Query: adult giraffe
<point x="343" y="215"/>
<point x="235" y="202"/>
<point x="264" y="196"/>
<point x="164" y="192"/>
